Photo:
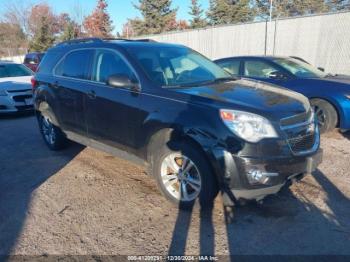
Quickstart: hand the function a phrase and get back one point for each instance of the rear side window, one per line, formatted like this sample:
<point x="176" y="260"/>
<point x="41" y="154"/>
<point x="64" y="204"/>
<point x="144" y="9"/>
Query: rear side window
<point x="231" y="66"/>
<point x="109" y="63"/>
<point x="75" y="64"/>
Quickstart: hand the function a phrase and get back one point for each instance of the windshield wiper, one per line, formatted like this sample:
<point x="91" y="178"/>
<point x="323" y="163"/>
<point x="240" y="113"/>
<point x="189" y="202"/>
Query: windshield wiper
<point x="199" y="83"/>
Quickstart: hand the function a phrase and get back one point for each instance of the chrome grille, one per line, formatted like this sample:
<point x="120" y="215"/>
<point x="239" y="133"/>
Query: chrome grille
<point x="302" y="143"/>
<point x="303" y="136"/>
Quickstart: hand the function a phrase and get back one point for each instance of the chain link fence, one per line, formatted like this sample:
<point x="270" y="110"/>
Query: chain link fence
<point x="322" y="40"/>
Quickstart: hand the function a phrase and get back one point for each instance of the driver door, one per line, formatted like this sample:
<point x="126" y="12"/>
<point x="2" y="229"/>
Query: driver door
<point x="112" y="112"/>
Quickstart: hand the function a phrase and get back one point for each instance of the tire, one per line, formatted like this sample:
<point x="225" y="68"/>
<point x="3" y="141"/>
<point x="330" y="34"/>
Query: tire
<point x="54" y="138"/>
<point x="199" y="181"/>
<point x="326" y="115"/>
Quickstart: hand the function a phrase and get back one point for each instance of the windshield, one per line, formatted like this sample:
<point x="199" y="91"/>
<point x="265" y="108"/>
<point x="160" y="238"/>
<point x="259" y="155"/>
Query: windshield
<point x="299" y="68"/>
<point x="13" y="70"/>
<point x="176" y="66"/>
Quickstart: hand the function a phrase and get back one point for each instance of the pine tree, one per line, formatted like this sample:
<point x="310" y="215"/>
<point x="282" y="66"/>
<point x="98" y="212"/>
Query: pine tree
<point x="69" y="32"/>
<point x="99" y="23"/>
<point x="157" y="15"/>
<point x="228" y="11"/>
<point x="339" y="5"/>
<point x="287" y="8"/>
<point x="43" y="38"/>
<point x="196" y="12"/>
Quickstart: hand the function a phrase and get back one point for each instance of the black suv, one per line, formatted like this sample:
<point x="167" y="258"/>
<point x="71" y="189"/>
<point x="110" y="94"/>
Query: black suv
<point x="197" y="128"/>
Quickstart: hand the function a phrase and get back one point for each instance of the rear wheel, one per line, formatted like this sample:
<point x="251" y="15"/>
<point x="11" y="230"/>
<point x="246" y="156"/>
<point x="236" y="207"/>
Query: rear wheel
<point x="184" y="176"/>
<point x="326" y="115"/>
<point x="53" y="136"/>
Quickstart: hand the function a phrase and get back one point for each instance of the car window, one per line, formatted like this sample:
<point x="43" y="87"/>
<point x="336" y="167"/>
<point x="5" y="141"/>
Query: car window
<point x="75" y="65"/>
<point x="299" y="68"/>
<point x="257" y="68"/>
<point x="109" y="63"/>
<point x="231" y="66"/>
<point x="13" y="70"/>
<point x="176" y="66"/>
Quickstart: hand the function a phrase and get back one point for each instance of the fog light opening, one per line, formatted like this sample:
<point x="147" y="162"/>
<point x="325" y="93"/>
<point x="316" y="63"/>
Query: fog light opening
<point x="259" y="177"/>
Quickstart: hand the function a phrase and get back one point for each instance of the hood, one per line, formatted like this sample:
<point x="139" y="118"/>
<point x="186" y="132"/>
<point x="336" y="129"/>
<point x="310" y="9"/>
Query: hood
<point x="15" y="83"/>
<point x="253" y="96"/>
<point x="340" y="83"/>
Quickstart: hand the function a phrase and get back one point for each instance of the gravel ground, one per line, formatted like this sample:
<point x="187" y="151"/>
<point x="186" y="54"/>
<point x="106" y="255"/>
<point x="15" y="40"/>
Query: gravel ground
<point x="82" y="201"/>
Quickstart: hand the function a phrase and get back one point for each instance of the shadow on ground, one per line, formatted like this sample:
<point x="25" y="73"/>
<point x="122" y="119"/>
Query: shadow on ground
<point x="273" y="227"/>
<point x="33" y="165"/>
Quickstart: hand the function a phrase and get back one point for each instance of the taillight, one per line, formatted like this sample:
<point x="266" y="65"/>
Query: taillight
<point x="34" y="83"/>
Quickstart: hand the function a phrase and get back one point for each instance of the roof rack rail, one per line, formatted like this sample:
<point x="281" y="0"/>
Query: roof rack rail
<point x="81" y="40"/>
<point x="99" y="40"/>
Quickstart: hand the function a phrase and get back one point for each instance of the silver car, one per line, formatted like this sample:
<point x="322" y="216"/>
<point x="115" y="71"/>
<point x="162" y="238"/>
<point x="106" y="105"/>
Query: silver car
<point x="15" y="88"/>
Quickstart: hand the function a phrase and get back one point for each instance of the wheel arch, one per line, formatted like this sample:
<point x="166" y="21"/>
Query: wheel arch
<point x="332" y="103"/>
<point x="167" y="135"/>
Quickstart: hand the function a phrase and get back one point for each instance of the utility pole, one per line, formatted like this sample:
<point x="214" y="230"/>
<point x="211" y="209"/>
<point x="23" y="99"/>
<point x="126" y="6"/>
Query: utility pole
<point x="271" y="6"/>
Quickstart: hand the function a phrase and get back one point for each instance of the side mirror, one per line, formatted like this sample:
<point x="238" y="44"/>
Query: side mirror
<point x="320" y="68"/>
<point x="122" y="81"/>
<point x="278" y="75"/>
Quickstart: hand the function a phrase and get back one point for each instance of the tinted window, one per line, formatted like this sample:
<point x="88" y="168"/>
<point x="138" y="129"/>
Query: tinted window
<point x="231" y="66"/>
<point x="76" y="64"/>
<point x="109" y="63"/>
<point x="174" y="66"/>
<point x="13" y="70"/>
<point x="257" y="68"/>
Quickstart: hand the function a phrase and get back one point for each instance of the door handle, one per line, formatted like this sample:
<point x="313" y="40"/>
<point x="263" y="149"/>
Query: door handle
<point x="91" y="94"/>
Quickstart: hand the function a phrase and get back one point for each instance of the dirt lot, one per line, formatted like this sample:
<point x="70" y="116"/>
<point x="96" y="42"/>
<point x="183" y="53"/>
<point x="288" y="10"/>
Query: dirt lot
<point x="81" y="201"/>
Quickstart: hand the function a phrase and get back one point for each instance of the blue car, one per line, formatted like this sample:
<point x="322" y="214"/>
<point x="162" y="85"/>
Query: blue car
<point x="329" y="94"/>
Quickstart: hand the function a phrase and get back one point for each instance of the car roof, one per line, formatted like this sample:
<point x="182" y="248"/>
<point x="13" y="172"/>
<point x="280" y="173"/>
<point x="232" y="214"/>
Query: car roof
<point x="263" y="57"/>
<point x="97" y="42"/>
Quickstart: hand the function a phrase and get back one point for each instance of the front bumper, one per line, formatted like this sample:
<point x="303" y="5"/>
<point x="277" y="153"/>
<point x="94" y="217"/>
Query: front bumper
<point x="21" y="101"/>
<point x="287" y="169"/>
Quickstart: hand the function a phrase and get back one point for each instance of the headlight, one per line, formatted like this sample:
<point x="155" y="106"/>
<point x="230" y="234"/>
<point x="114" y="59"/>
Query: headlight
<point x="347" y="96"/>
<point x="248" y="126"/>
<point x="3" y="93"/>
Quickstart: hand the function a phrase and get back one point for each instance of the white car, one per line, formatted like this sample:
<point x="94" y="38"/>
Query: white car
<point x="15" y="88"/>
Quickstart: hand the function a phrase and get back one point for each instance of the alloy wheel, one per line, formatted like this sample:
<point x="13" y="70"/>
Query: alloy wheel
<point x="48" y="131"/>
<point x="181" y="177"/>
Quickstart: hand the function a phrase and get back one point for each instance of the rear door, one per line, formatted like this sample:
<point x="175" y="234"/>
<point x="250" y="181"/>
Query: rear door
<point x="70" y="87"/>
<point x="112" y="113"/>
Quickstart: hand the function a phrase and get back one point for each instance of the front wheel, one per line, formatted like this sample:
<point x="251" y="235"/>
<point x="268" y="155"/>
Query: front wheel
<point x="326" y="114"/>
<point x="53" y="136"/>
<point x="184" y="175"/>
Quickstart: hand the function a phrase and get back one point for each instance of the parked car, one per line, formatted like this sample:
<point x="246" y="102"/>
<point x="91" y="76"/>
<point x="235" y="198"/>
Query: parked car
<point x="32" y="60"/>
<point x="171" y="109"/>
<point x="328" y="94"/>
<point x="15" y="88"/>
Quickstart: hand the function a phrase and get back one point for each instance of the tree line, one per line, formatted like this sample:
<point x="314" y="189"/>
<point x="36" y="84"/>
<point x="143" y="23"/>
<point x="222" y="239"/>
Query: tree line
<point x="37" y="27"/>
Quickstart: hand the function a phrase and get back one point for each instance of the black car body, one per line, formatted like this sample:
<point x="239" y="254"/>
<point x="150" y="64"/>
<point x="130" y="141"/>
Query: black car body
<point x="140" y="114"/>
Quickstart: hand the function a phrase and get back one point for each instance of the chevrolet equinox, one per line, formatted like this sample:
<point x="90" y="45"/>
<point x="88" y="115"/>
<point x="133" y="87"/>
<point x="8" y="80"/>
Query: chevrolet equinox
<point x="198" y="129"/>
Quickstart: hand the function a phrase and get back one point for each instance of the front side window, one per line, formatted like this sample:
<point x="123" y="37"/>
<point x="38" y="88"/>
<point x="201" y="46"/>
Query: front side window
<point x="75" y="65"/>
<point x="13" y="70"/>
<point x="176" y="66"/>
<point x="108" y="63"/>
<point x="231" y="66"/>
<point x="257" y="68"/>
<point x="299" y="68"/>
